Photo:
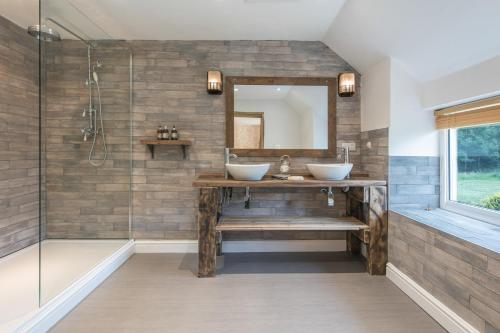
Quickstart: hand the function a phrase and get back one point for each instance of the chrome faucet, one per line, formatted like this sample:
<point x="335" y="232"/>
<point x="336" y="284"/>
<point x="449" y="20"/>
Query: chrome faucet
<point x="329" y="192"/>
<point x="247" y="197"/>
<point x="227" y="157"/>
<point x="346" y="159"/>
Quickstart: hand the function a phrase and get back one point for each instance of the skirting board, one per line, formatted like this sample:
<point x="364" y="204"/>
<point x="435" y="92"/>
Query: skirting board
<point x="191" y="246"/>
<point x="166" y="246"/>
<point x="441" y="313"/>
<point x="54" y="310"/>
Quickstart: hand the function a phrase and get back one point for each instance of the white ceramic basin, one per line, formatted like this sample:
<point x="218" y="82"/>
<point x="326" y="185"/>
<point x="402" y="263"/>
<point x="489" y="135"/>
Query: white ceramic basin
<point x="247" y="171"/>
<point x="329" y="171"/>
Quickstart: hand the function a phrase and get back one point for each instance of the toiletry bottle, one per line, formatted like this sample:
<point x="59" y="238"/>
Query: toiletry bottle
<point x="159" y="133"/>
<point x="166" y="134"/>
<point x="174" y="135"/>
<point x="285" y="164"/>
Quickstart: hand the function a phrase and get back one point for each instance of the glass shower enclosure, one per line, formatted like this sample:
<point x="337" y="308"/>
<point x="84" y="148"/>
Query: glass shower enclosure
<point x="65" y="162"/>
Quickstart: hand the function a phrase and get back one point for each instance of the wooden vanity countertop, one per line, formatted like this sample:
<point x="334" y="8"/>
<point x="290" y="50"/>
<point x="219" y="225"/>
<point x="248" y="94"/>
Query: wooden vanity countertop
<point x="217" y="180"/>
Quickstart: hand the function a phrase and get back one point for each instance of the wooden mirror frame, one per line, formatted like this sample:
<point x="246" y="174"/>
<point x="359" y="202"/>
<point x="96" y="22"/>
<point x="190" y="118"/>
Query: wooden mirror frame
<point x="330" y="82"/>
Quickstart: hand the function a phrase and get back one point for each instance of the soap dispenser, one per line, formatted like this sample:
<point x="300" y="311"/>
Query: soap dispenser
<point x="285" y="165"/>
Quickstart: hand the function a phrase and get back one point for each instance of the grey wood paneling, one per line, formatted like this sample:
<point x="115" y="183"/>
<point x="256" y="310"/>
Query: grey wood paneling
<point x="19" y="183"/>
<point x="170" y="88"/>
<point x="84" y="201"/>
<point x="374" y="148"/>
<point x="414" y="181"/>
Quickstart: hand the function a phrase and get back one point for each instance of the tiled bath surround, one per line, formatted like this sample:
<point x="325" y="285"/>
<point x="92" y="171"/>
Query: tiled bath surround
<point x="464" y="276"/>
<point x="414" y="181"/>
<point x="18" y="138"/>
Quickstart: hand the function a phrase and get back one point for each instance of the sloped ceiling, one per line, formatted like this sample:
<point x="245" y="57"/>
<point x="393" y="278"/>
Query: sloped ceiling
<point x="431" y="38"/>
<point x="190" y="19"/>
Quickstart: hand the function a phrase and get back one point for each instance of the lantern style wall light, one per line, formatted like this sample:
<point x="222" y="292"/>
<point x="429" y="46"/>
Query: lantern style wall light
<point x="214" y="82"/>
<point x="347" y="84"/>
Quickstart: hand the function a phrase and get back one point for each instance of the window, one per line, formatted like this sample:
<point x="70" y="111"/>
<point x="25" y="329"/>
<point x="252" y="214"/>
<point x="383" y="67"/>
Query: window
<point x="470" y="158"/>
<point x="471" y="171"/>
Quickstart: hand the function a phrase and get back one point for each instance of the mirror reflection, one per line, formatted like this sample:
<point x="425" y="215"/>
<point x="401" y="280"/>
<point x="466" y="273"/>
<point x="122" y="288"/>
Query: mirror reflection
<point x="280" y="117"/>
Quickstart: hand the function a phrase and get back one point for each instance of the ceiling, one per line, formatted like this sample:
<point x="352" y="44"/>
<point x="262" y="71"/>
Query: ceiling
<point x="430" y="38"/>
<point x="210" y="19"/>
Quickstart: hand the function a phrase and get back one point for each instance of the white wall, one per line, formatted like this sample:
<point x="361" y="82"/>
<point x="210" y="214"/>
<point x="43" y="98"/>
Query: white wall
<point x="376" y="96"/>
<point x="391" y="97"/>
<point x="412" y="131"/>
<point x="479" y="81"/>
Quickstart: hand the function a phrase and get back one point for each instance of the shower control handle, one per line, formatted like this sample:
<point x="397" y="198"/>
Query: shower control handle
<point x="87" y="132"/>
<point x="90" y="111"/>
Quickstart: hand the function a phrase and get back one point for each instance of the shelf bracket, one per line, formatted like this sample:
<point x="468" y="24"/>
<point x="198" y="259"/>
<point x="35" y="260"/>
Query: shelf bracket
<point x="184" y="152"/>
<point x="152" y="150"/>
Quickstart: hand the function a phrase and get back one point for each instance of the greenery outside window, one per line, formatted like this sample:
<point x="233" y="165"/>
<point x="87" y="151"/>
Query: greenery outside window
<point x="471" y="171"/>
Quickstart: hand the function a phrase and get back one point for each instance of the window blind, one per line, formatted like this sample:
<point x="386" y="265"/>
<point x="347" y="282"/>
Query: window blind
<point x="485" y="111"/>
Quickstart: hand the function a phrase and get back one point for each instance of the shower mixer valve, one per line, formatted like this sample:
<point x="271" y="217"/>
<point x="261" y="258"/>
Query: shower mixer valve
<point x="87" y="132"/>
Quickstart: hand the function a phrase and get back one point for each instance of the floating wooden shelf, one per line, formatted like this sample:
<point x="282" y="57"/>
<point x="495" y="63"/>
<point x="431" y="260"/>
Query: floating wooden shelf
<point x="347" y="223"/>
<point x="152" y="143"/>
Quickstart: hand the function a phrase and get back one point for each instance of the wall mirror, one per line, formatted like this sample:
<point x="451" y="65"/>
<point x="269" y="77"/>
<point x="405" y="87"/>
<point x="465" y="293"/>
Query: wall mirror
<point x="269" y="116"/>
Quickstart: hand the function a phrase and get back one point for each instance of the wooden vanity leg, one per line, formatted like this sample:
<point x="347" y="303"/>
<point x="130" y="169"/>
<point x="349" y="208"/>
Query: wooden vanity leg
<point x="377" y="219"/>
<point x="353" y="244"/>
<point x="207" y="235"/>
<point x="219" y="243"/>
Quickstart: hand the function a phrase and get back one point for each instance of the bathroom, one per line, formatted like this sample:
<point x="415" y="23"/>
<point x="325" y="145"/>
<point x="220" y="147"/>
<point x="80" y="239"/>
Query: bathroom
<point x="88" y="191"/>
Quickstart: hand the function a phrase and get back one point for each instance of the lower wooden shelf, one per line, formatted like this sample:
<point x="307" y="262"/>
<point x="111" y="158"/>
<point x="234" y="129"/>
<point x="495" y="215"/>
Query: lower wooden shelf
<point x="347" y="223"/>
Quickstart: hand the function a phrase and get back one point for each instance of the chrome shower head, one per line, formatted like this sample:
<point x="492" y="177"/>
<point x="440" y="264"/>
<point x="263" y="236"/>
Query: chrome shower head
<point x="44" y="33"/>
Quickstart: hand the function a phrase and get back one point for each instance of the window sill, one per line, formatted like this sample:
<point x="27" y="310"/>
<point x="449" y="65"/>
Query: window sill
<point x="484" y="236"/>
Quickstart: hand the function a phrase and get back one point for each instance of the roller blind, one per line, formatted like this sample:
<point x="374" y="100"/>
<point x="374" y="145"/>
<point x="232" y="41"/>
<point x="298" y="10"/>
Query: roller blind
<point x="485" y="111"/>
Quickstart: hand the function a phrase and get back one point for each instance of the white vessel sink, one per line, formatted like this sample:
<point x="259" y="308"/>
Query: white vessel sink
<point x="247" y="171"/>
<point x="329" y="171"/>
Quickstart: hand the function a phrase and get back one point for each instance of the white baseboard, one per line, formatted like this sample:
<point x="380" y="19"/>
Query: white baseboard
<point x="191" y="246"/>
<point x="283" y="246"/>
<point x="166" y="246"/>
<point x="441" y="313"/>
<point x="55" y="309"/>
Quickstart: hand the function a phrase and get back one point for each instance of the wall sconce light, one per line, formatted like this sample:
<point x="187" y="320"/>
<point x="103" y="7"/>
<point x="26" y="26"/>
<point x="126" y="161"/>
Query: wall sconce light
<point x="214" y="82"/>
<point x="347" y="84"/>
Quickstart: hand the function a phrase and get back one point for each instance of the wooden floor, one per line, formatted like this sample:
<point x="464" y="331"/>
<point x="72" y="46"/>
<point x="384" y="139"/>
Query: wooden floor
<point x="256" y="293"/>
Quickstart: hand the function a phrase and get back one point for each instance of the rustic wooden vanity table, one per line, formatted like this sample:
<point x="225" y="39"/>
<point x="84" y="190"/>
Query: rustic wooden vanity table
<point x="266" y="134"/>
<point x="365" y="220"/>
